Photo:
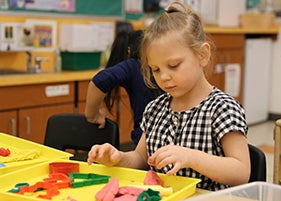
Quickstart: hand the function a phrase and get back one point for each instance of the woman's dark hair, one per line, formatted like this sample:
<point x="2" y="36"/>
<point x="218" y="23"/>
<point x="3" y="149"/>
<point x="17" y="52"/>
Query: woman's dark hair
<point x="119" y="52"/>
<point x="135" y="39"/>
<point x="119" y="49"/>
<point x="126" y="45"/>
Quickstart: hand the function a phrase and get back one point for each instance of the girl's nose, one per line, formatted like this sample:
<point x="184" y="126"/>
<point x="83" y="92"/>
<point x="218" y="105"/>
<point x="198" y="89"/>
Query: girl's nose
<point x="165" y="76"/>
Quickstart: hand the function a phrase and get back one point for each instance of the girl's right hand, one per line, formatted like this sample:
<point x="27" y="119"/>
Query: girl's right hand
<point x="105" y="154"/>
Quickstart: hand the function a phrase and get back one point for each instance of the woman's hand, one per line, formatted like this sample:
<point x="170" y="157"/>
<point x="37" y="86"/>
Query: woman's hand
<point x="105" y="154"/>
<point x="170" y="154"/>
<point x="100" y="118"/>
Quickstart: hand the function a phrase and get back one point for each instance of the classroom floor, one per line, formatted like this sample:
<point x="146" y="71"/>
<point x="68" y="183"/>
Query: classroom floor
<point x="261" y="135"/>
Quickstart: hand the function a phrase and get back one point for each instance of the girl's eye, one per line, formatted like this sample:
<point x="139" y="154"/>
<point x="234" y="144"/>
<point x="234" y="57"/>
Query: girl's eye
<point x="174" y="65"/>
<point x="155" y="70"/>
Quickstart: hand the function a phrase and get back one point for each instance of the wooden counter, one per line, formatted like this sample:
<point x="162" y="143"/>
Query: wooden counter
<point x="224" y="30"/>
<point x="240" y="30"/>
<point x="44" y="78"/>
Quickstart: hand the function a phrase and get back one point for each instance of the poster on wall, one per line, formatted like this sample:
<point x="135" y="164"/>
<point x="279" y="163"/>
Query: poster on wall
<point x="50" y="5"/>
<point x="43" y="34"/>
<point x="3" y="4"/>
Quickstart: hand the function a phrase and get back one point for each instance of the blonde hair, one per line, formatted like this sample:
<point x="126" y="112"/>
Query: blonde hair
<point x="182" y="19"/>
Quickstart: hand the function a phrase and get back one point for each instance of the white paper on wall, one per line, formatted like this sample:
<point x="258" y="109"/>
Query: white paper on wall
<point x="133" y="6"/>
<point x="94" y="37"/>
<point x="232" y="79"/>
<point x="104" y="35"/>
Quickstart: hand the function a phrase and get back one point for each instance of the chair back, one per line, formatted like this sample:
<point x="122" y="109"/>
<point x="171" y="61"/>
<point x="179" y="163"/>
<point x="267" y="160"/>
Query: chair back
<point x="73" y="131"/>
<point x="258" y="164"/>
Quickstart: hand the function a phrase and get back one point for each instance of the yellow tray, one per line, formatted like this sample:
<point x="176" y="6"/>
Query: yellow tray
<point x="183" y="187"/>
<point x="45" y="153"/>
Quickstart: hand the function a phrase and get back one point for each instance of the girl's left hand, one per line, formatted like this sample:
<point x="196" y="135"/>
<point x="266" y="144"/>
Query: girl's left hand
<point x="170" y="154"/>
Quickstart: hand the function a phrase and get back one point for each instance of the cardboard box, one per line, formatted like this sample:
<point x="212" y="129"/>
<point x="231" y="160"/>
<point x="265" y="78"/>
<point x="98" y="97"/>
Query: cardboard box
<point x="257" y="20"/>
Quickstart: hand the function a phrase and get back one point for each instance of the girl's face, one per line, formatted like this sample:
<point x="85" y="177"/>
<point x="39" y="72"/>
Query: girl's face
<point x="176" y="69"/>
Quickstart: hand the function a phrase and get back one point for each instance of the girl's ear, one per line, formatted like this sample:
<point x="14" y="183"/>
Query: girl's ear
<point x="205" y="54"/>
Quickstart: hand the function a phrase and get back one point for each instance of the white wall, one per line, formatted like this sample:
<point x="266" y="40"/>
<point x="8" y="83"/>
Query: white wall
<point x="257" y="75"/>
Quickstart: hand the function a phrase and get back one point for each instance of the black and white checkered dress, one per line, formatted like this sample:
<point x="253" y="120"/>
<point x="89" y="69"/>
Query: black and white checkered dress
<point x="200" y="128"/>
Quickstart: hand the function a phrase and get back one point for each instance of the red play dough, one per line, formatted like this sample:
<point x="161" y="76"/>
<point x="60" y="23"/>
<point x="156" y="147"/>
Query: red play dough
<point x="126" y="197"/>
<point x="129" y="190"/>
<point x="152" y="178"/>
<point x="108" y="192"/>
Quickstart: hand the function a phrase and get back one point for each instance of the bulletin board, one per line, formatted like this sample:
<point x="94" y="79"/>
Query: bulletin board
<point x="109" y="8"/>
<point x="100" y="7"/>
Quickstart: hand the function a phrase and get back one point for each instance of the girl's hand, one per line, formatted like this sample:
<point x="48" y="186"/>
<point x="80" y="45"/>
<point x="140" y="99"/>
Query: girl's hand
<point x="105" y="154"/>
<point x="170" y="154"/>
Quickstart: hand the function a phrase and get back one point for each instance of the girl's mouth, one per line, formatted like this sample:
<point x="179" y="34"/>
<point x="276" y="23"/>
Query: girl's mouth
<point x="169" y="88"/>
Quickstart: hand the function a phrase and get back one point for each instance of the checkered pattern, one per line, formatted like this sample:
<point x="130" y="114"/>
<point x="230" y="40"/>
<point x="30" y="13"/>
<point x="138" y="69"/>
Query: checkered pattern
<point x="200" y="128"/>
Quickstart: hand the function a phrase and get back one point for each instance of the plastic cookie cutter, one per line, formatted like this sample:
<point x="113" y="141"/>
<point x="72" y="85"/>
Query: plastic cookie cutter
<point x="17" y="187"/>
<point x="51" y="189"/>
<point x="87" y="179"/>
<point x="149" y="195"/>
<point x="63" y="167"/>
<point x="59" y="179"/>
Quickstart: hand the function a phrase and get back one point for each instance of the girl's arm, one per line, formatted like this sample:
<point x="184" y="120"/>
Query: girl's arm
<point x="108" y="155"/>
<point x="233" y="169"/>
<point x="136" y="159"/>
<point x="93" y="101"/>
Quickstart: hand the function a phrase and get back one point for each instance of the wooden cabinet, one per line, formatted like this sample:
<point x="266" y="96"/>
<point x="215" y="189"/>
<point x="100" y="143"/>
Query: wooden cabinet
<point x="33" y="121"/>
<point x="229" y="50"/>
<point x="126" y="117"/>
<point x="121" y="113"/>
<point x="82" y="87"/>
<point x="24" y="110"/>
<point x="8" y="122"/>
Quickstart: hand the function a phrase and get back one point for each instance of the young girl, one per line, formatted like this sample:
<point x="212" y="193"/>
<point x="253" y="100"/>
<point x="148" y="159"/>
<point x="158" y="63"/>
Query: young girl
<point x="193" y="129"/>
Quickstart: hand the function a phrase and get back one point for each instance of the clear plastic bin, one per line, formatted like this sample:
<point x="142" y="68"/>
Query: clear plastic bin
<point x="258" y="191"/>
